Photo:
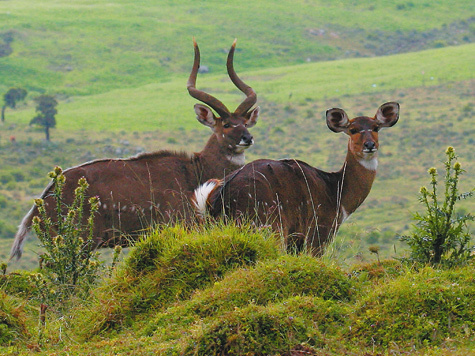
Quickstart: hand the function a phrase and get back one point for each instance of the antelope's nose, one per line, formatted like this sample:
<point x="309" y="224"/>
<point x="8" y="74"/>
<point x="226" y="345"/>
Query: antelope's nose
<point x="247" y="140"/>
<point x="370" y="146"/>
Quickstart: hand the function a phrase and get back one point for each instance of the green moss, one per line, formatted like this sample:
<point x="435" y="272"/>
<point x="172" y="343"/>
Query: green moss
<point x="19" y="284"/>
<point x="172" y="263"/>
<point x="418" y="308"/>
<point x="380" y="271"/>
<point x="268" y="282"/>
<point x="264" y="330"/>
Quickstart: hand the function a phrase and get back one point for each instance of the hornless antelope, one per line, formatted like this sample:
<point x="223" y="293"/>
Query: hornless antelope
<point x="303" y="203"/>
<point x="157" y="187"/>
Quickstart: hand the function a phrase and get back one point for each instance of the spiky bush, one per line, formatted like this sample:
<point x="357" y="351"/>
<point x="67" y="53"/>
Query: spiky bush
<point x="69" y="261"/>
<point x="440" y="236"/>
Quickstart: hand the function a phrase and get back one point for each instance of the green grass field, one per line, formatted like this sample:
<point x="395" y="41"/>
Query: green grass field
<point x="78" y="47"/>
<point x="167" y="106"/>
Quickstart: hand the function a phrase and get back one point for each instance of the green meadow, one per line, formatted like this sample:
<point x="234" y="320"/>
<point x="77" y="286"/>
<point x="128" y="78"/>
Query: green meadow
<point x="167" y="106"/>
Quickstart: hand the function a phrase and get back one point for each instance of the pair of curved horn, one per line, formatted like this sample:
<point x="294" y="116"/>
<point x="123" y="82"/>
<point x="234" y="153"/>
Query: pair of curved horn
<point x="210" y="100"/>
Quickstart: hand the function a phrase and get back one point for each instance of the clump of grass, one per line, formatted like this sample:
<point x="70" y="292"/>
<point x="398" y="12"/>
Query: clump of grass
<point x="171" y="264"/>
<point x="269" y="308"/>
<point x="12" y="320"/>
<point x="440" y="236"/>
<point x="276" y="328"/>
<point x="266" y="309"/>
<point x="378" y="271"/>
<point x="417" y="309"/>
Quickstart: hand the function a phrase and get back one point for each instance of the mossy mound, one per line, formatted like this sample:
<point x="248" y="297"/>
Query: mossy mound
<point x="172" y="263"/>
<point x="420" y="308"/>
<point x="269" y="308"/>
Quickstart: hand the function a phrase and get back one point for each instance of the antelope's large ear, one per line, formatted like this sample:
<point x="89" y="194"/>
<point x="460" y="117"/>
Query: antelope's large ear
<point x="205" y="115"/>
<point x="337" y="120"/>
<point x="252" y="117"/>
<point x="388" y="114"/>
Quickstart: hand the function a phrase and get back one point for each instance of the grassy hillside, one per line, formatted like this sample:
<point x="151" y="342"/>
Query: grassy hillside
<point x="226" y="290"/>
<point x="167" y="106"/>
<point x="78" y="47"/>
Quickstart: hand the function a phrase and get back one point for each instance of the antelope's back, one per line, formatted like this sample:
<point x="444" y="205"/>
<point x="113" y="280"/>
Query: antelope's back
<point x="288" y="194"/>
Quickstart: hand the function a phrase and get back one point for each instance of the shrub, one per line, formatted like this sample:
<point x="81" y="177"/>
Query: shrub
<point x="69" y="261"/>
<point x="440" y="236"/>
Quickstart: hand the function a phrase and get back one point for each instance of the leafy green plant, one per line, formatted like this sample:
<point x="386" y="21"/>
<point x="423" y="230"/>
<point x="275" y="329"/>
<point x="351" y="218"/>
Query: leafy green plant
<point x="69" y="262"/>
<point x="441" y="236"/>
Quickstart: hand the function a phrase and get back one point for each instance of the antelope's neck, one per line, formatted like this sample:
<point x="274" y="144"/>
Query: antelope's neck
<point x="357" y="176"/>
<point x="216" y="161"/>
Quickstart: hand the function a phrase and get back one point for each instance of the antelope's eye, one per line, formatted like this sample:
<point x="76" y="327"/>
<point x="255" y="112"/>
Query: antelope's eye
<point x="353" y="131"/>
<point x="376" y="129"/>
<point x="226" y="126"/>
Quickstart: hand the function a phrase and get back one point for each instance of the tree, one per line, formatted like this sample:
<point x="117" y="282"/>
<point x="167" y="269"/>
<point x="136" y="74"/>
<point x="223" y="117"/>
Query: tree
<point x="11" y="98"/>
<point x="6" y="38"/>
<point x="46" y="109"/>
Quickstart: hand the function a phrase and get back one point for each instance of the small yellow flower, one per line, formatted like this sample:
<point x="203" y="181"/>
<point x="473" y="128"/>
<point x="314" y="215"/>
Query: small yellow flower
<point x="457" y="166"/>
<point x="450" y="149"/>
<point x="374" y="249"/>
<point x="432" y="171"/>
<point x="58" y="170"/>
